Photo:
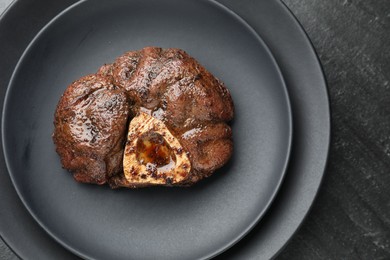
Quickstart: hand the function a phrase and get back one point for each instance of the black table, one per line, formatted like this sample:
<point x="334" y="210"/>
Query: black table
<point x="350" y="218"/>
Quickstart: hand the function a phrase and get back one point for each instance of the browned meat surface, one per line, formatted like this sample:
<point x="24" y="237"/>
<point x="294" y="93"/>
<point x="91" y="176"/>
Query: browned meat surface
<point x="90" y="129"/>
<point x="157" y="90"/>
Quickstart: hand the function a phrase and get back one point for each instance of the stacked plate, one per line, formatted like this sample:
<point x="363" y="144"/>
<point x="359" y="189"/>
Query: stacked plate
<point x="281" y="132"/>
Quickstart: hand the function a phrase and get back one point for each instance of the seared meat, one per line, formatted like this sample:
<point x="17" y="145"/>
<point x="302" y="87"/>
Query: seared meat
<point x="90" y="129"/>
<point x="178" y="114"/>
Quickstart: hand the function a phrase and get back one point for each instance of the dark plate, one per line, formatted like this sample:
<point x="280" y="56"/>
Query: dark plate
<point x="308" y="95"/>
<point x="155" y="223"/>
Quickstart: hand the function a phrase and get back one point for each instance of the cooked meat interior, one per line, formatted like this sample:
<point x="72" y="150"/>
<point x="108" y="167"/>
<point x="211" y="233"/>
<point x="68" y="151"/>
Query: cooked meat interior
<point x="153" y="117"/>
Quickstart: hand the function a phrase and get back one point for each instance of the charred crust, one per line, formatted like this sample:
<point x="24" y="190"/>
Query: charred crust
<point x="169" y="181"/>
<point x="198" y="77"/>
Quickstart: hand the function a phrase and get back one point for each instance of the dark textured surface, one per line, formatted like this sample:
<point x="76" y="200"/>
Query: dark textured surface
<point x="350" y="218"/>
<point x="5" y="252"/>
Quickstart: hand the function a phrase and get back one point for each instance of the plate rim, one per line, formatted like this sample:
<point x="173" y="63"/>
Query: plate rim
<point x="328" y="120"/>
<point x="286" y="99"/>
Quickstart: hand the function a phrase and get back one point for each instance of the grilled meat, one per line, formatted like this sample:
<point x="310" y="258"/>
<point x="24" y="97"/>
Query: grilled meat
<point x="152" y="117"/>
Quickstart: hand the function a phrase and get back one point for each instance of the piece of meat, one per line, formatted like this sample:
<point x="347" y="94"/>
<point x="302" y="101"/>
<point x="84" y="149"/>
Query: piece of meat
<point x="90" y="129"/>
<point x="209" y="146"/>
<point x="172" y="92"/>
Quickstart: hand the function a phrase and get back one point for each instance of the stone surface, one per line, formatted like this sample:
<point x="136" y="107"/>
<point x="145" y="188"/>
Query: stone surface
<point x="5" y="252"/>
<point x="350" y="218"/>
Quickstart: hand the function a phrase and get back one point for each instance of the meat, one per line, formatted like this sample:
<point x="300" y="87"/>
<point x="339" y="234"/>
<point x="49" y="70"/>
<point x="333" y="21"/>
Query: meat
<point x="90" y="128"/>
<point x="160" y="101"/>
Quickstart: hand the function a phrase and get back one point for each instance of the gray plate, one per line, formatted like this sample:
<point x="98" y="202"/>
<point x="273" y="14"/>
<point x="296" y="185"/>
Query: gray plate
<point x="199" y="222"/>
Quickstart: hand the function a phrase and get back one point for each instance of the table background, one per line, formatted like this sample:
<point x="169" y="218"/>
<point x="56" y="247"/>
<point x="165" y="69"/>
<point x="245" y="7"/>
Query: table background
<point x="350" y="218"/>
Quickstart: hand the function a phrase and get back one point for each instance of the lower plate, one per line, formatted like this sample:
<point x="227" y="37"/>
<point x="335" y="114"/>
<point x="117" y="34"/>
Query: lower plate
<point x="308" y="95"/>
